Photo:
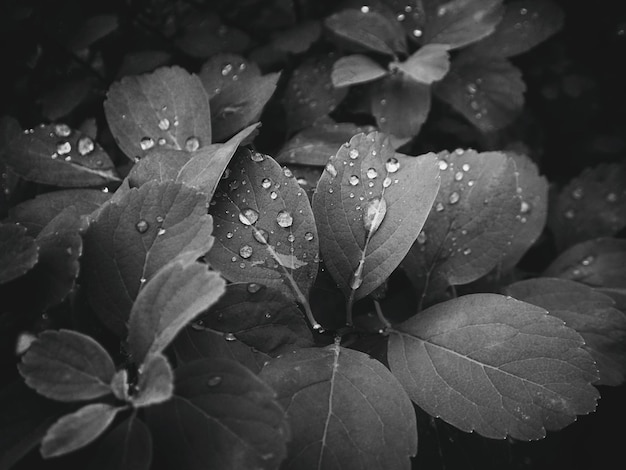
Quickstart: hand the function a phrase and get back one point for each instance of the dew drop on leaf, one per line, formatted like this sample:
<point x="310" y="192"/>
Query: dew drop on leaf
<point x="257" y="157"/>
<point x="164" y="124"/>
<point x="64" y="148"/>
<point x="248" y="216"/>
<point x="587" y="261"/>
<point x="284" y="219"/>
<point x="245" y="251"/>
<point x="214" y="381"/>
<point x="308" y="236"/>
<point x="161" y="141"/>
<point x="465" y="167"/>
<point x="386" y="182"/>
<point x="372" y="173"/>
<point x="354" y="180"/>
<point x="439" y="207"/>
<point x="467" y="251"/>
<point x="142" y="226"/>
<point x="392" y="165"/>
<point x="226" y="69"/>
<point x="85" y="145"/>
<point x="253" y="287"/>
<point x="577" y="193"/>
<point x="354" y="153"/>
<point x="454" y="198"/>
<point x="417" y="33"/>
<point x="146" y="143"/>
<point x="273" y="195"/>
<point x="62" y="130"/>
<point x="287" y="172"/>
<point x="569" y="214"/>
<point x="291" y="238"/>
<point x="525" y="207"/>
<point x="374" y="214"/>
<point x="261" y="236"/>
<point x="611" y="197"/>
<point x="422" y="237"/>
<point x="458" y="176"/>
<point x="161" y="231"/>
<point x="229" y="235"/>
<point x="266" y="183"/>
<point x="192" y="144"/>
<point x="443" y="165"/>
<point x="159" y="219"/>
<point x="230" y="337"/>
<point x="330" y="168"/>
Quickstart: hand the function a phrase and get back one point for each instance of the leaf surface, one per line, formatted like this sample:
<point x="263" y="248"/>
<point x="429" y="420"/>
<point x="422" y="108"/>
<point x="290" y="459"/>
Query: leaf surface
<point x="127" y="447"/>
<point x="355" y="69"/>
<point x="204" y="35"/>
<point x="429" y="64"/>
<point x="156" y="381"/>
<point x="18" y="252"/>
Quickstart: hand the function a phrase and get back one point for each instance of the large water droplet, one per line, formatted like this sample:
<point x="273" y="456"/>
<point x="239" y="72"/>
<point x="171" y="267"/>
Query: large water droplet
<point x="230" y="337"/>
<point x="261" y="236"/>
<point x="266" y="183"/>
<point x="273" y="195"/>
<point x="374" y="214"/>
<point x="142" y="226"/>
<point x="443" y="165"/>
<point x="192" y="144"/>
<point x="164" y="124"/>
<point x="146" y="143"/>
<point x="330" y="168"/>
<point x="465" y="167"/>
<point x="226" y="69"/>
<point x="62" y="130"/>
<point x="454" y="198"/>
<point x="85" y="145"/>
<point x="257" y="157"/>
<point x="587" y="261"/>
<point x="417" y="33"/>
<point x="354" y="180"/>
<point x="308" y="236"/>
<point x="458" y="176"/>
<point x="248" y="216"/>
<point x="284" y="219"/>
<point x="253" y="287"/>
<point x="245" y="251"/>
<point x="386" y="182"/>
<point x="392" y="165"/>
<point x="64" y="148"/>
<point x="525" y="207"/>
<point x="354" y="153"/>
<point x="372" y="173"/>
<point x="365" y="9"/>
<point x="439" y="207"/>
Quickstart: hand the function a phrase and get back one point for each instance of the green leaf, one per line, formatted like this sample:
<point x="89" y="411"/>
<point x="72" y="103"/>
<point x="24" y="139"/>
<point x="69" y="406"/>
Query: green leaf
<point x="55" y="154"/>
<point x="369" y="30"/>
<point x="494" y="365"/>
<point x="264" y="227"/>
<point x="168" y="108"/>
<point x="598" y="263"/>
<point x="91" y="30"/>
<point x="128" y="446"/>
<point x="429" y="64"/>
<point x="346" y="410"/>
<point x="223" y="416"/>
<point x="133" y="238"/>
<point x="590" y="313"/>
<point x="355" y="69"/>
<point x="299" y="38"/>
<point x="76" y="430"/>
<point x="525" y="24"/>
<point x="18" y="252"/>
<point x="156" y="382"/>
<point x="66" y="365"/>
<point x="238" y="92"/>
<point x="370" y="205"/>
<point x="458" y="23"/>
<point x="472" y="223"/>
<point x="172" y="298"/>
<point x="204" y="35"/>
<point x="488" y="92"/>
<point x="592" y="205"/>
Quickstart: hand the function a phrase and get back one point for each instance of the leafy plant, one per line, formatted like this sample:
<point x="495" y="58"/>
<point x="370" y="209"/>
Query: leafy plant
<point x="196" y="303"/>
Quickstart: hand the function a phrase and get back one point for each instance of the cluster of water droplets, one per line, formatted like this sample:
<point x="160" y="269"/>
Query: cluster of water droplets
<point x="409" y="13"/>
<point x="475" y="100"/>
<point x="314" y="94"/>
<point x="142" y="225"/>
<point x="192" y="143"/>
<point x="61" y="133"/>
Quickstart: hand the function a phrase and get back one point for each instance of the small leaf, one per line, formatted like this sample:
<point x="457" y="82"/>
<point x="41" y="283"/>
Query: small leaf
<point x="370" y="205"/>
<point x="57" y="155"/>
<point x="429" y="64"/>
<point x="66" y="365"/>
<point x="369" y="30"/>
<point x="165" y="108"/>
<point x="156" y="382"/>
<point x="590" y="313"/>
<point x="128" y="446"/>
<point x="223" y="416"/>
<point x="345" y="409"/>
<point x="133" y="238"/>
<point x="76" y="430"/>
<point x="18" y="252"/>
<point x="488" y="92"/>
<point x="172" y="298"/>
<point x="355" y="69"/>
<point x="494" y="365"/>
<point x="204" y="35"/>
<point x="264" y="227"/>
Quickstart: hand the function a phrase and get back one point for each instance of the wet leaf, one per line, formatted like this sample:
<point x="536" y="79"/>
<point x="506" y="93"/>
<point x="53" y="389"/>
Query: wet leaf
<point x="166" y="108"/>
<point x="128" y="446"/>
<point x="156" y="382"/>
<point x="411" y="15"/>
<point x="494" y="365"/>
<point x="133" y="238"/>
<point x="355" y="69"/>
<point x="429" y="64"/>
<point x="18" y="252"/>
<point x="204" y="35"/>
<point x="346" y="410"/>
<point x="264" y="227"/>
<point x="66" y="365"/>
<point x="590" y="313"/>
<point x="370" y="205"/>
<point x="55" y="154"/>
<point x="221" y="403"/>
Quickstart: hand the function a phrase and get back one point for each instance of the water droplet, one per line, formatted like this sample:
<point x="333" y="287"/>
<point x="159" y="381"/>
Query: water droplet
<point x="374" y="214"/>
<point x="330" y="168"/>
<point x="525" y="207"/>
<point x="161" y="141"/>
<point x="569" y="214"/>
<point x="62" y="130"/>
<point x="226" y="69"/>
<point x="372" y="173"/>
<point x="214" y="381"/>
<point x="417" y="33"/>
<point x="248" y="216"/>
<point x="365" y="9"/>
<point x="233" y="185"/>
<point x="253" y="287"/>
<point x="192" y="144"/>
<point x="161" y="231"/>
<point x="443" y="165"/>
<point x="85" y="145"/>
<point x="142" y="226"/>
<point x="523" y="11"/>
<point x="392" y="165"/>
<point x="454" y="198"/>
<point x="261" y="236"/>
<point x="230" y="337"/>
<point x="458" y="176"/>
<point x="611" y="197"/>
<point x="354" y="180"/>
<point x="308" y="236"/>
<point x="164" y="124"/>
<point x="400" y="17"/>
<point x="386" y="182"/>
<point x="354" y="153"/>
<point x="64" y="148"/>
<point x="68" y="159"/>
<point x="266" y="183"/>
<point x="291" y="238"/>
<point x="257" y="157"/>
<point x="587" y="261"/>
<point x="467" y="251"/>
<point x="470" y="183"/>
<point x="439" y="207"/>
<point x="422" y="237"/>
<point x="577" y="193"/>
<point x="229" y="235"/>
<point x="245" y="251"/>
<point x="284" y="219"/>
<point x="273" y="195"/>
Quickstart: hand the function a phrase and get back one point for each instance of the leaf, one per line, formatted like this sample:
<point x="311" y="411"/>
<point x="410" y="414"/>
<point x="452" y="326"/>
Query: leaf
<point x="223" y="416"/>
<point x="316" y="144"/>
<point x="309" y="94"/>
<point x="65" y="96"/>
<point x="167" y="108"/>
<point x="410" y="14"/>
<point x="592" y="205"/>
<point x="590" y="313"/>
<point x="91" y="30"/>
<point x="429" y="64"/>
<point x="597" y="263"/>
<point x="400" y="105"/>
<point x="264" y="227"/>
<point x="55" y="154"/>
<point x="163" y="164"/>
<point x="237" y="90"/>
<point x="140" y="62"/>
<point x="262" y="318"/>
<point x="345" y="409"/>
<point x="370" y="205"/>
<point x="355" y="69"/>
<point x="299" y="38"/>
<point x="18" y="252"/>
<point x="494" y="365"/>
<point x="204" y="35"/>
<point x="128" y="446"/>
<point x="172" y="298"/>
<point x="458" y="23"/>
<point x="525" y="24"/>
<point x="369" y="30"/>
<point x="488" y="92"/>
<point x="66" y="365"/>
<point x="133" y="238"/>
<point x="76" y="430"/>
<point x="156" y="382"/>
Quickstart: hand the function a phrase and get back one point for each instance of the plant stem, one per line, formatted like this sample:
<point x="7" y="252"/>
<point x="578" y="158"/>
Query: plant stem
<point x="381" y="317"/>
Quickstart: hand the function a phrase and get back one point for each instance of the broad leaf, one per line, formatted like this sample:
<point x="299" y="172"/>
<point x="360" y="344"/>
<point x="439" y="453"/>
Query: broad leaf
<point x="66" y="365"/>
<point x="494" y="365"/>
<point x="488" y="92"/>
<point x="133" y="238"/>
<point x="410" y="14"/>
<point x="355" y="69"/>
<point x="57" y="155"/>
<point x="346" y="410"/>
<point x="128" y="446"/>
<point x="172" y="298"/>
<point x="223" y="416"/>
<point x="156" y="382"/>
<point x="590" y="313"/>
<point x="592" y="205"/>
<point x="264" y="227"/>
<point x="472" y="223"/>
<point x="429" y="64"/>
<point x="168" y="108"/>
<point x="237" y="92"/>
<point x="76" y="430"/>
<point x="18" y="252"/>
<point x="370" y="205"/>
